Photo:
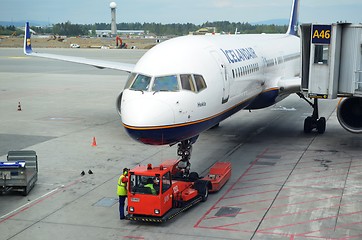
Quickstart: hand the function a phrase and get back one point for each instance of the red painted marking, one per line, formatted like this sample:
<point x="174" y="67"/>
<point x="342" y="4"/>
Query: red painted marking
<point x="283" y="197"/>
<point x="267" y="172"/>
<point x="332" y="228"/>
<point x="226" y="229"/>
<point x="256" y="186"/>
<point x="286" y="205"/>
<point x="256" y="170"/>
<point x="133" y="237"/>
<point x="38" y="201"/>
<point x="229" y="190"/>
<point x="310" y="221"/>
<point x="282" y="215"/>
<point x="250" y="194"/>
<point x="301" y="168"/>
<point x="329" y="174"/>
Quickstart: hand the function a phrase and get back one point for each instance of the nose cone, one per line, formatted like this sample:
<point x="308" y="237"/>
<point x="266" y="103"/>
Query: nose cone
<point x="146" y="112"/>
<point x="148" y="120"/>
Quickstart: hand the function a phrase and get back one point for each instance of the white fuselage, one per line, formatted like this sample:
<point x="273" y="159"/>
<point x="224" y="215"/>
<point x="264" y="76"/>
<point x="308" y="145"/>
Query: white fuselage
<point x="240" y="71"/>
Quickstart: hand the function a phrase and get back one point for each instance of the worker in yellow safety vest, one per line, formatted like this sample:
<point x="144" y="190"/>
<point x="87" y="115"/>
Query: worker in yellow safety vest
<point x="122" y="192"/>
<point x="150" y="185"/>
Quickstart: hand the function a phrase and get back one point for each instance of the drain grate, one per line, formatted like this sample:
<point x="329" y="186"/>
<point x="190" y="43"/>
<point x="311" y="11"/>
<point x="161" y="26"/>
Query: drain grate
<point x="106" y="202"/>
<point x="228" y="212"/>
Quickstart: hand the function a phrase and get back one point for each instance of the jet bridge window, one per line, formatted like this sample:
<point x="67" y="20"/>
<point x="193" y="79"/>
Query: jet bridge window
<point x="187" y="82"/>
<point x="141" y="83"/>
<point x="165" y="83"/>
<point x="321" y="54"/>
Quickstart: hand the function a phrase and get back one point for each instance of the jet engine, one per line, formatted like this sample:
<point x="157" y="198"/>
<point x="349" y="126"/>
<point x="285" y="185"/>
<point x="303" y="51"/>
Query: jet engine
<point x="349" y="114"/>
<point x="118" y="103"/>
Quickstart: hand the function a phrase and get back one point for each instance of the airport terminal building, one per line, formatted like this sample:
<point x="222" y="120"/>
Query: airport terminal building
<point x="107" y="33"/>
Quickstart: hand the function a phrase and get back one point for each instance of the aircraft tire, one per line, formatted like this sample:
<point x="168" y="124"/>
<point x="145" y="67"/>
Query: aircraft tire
<point x="308" y="125"/>
<point x="321" y="125"/>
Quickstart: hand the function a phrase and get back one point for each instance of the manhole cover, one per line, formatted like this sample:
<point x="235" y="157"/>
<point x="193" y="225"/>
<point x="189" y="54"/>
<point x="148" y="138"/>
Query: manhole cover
<point x="106" y="202"/>
<point x="228" y="212"/>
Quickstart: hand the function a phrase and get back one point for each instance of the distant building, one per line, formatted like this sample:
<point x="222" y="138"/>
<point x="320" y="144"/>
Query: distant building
<point x="108" y="33"/>
<point x="204" y="31"/>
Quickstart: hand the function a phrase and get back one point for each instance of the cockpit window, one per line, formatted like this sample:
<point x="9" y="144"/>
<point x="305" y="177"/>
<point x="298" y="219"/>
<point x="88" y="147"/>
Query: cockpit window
<point x="200" y="82"/>
<point x="141" y="83"/>
<point x="171" y="83"/>
<point x="130" y="80"/>
<point x="165" y="83"/>
<point x="186" y="82"/>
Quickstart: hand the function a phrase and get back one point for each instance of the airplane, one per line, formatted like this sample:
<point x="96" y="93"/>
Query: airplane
<point x="189" y="84"/>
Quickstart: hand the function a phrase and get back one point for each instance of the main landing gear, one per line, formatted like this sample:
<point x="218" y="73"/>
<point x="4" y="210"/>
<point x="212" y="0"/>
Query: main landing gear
<point x="313" y="122"/>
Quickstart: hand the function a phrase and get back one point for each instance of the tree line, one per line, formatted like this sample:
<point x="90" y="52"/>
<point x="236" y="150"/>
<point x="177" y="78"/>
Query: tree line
<point x="9" y="30"/>
<point x="159" y="29"/>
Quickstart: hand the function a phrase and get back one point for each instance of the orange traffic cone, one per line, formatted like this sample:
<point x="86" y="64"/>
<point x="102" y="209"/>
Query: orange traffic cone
<point x="94" y="143"/>
<point x="19" y="106"/>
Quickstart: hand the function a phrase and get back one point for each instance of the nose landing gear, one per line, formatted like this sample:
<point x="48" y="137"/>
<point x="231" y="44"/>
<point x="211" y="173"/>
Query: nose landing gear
<point x="184" y="150"/>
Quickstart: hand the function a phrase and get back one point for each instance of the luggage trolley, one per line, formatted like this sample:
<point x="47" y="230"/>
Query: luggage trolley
<point x="19" y="172"/>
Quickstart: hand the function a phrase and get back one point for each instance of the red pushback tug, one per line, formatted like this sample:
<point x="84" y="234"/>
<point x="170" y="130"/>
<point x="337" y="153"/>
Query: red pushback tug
<point x="172" y="193"/>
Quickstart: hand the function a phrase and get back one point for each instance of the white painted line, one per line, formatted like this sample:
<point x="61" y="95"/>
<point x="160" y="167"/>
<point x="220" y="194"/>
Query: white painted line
<point x="4" y="216"/>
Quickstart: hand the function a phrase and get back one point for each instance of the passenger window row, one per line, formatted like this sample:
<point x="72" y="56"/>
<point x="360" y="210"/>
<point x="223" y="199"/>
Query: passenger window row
<point x="245" y="70"/>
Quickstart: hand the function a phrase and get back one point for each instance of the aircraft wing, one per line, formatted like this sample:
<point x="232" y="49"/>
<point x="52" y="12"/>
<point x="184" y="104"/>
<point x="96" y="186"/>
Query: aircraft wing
<point x="127" y="67"/>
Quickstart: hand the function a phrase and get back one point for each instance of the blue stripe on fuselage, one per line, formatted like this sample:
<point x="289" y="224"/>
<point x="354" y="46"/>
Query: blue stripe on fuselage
<point x="171" y="134"/>
<point x="264" y="100"/>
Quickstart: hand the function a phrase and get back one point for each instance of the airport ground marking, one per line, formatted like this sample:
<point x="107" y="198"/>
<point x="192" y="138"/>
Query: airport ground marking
<point x="36" y="201"/>
<point x="301" y="164"/>
<point x="229" y="189"/>
<point x="4" y="217"/>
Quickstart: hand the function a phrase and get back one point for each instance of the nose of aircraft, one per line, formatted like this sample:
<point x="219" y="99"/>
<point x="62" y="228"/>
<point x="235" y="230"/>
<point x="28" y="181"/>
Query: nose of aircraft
<point x="146" y="111"/>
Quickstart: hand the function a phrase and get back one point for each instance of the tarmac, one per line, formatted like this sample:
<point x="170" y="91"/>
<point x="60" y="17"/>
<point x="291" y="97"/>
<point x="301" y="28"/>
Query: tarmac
<point x="285" y="184"/>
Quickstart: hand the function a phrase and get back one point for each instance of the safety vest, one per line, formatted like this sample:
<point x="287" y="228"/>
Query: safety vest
<point x="121" y="187"/>
<point x="150" y="185"/>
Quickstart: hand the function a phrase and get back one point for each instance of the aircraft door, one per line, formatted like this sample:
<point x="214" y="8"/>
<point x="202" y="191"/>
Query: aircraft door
<point x="224" y="75"/>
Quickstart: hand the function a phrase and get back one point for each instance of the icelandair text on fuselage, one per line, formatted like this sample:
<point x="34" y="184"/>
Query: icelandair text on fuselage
<point x="239" y="55"/>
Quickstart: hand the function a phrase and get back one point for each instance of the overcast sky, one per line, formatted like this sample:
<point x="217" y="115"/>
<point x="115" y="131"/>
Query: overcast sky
<point x="174" y="11"/>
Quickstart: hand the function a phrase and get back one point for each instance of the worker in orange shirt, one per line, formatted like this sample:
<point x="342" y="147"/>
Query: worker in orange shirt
<point x="122" y="192"/>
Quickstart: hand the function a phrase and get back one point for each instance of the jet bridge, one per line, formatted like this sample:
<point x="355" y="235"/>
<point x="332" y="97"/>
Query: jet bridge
<point x="332" y="67"/>
<point x="331" y="60"/>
